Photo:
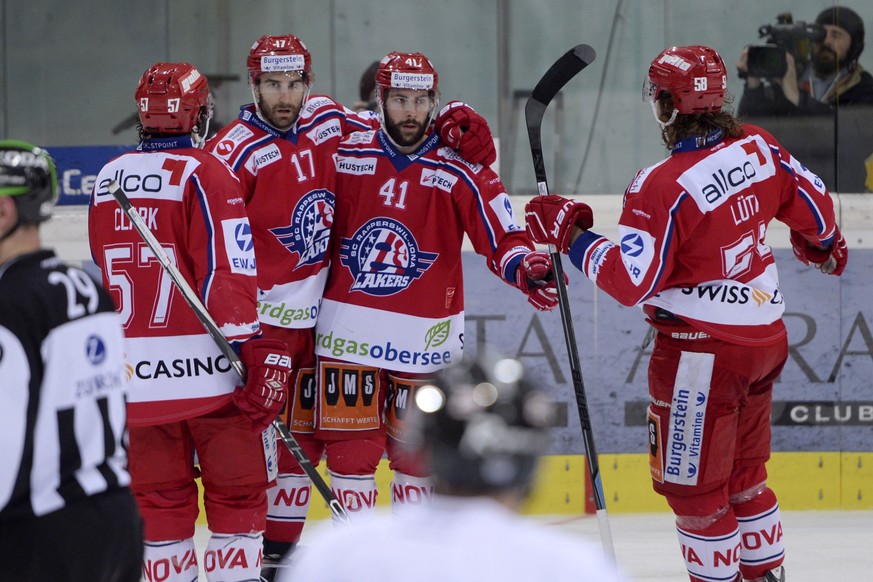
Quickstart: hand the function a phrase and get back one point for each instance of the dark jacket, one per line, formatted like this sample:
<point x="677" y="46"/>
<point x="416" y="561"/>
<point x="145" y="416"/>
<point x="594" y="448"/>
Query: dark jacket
<point x="856" y="88"/>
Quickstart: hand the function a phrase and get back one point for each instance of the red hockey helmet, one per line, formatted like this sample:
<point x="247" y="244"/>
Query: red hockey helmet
<point x="281" y="53"/>
<point x="171" y="98"/>
<point x="407" y="71"/>
<point x="694" y="76"/>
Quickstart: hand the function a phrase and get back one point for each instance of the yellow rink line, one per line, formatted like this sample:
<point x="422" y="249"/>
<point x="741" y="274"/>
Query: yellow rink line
<point x="802" y="481"/>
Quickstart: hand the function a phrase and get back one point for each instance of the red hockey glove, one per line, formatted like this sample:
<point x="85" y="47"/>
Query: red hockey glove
<point x="550" y="220"/>
<point x="534" y="277"/>
<point x="264" y="394"/>
<point x="464" y="130"/>
<point x="829" y="261"/>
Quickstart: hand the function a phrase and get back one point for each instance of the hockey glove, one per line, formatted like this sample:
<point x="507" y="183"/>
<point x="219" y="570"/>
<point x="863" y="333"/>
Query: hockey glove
<point x="534" y="277"/>
<point x="466" y="131"/>
<point x="550" y="220"/>
<point x="829" y="261"/>
<point x="264" y="394"/>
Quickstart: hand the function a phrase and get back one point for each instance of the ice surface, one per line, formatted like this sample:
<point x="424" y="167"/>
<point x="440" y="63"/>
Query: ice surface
<point x="819" y="545"/>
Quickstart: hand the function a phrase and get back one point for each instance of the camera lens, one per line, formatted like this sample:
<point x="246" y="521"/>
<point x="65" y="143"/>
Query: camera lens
<point x="767" y="61"/>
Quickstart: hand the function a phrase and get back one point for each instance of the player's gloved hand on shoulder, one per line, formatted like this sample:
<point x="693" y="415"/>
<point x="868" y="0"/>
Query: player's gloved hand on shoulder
<point x="534" y="277"/>
<point x="551" y="219"/>
<point x="830" y="261"/>
<point x="262" y="398"/>
<point x="464" y="130"/>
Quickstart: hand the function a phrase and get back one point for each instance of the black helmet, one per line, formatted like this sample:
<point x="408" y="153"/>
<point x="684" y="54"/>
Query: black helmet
<point x="848" y="20"/>
<point x="482" y="426"/>
<point x="27" y="173"/>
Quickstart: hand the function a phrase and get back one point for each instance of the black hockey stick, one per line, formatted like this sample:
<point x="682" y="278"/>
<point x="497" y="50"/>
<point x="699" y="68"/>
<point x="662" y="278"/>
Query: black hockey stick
<point x="558" y="75"/>
<point x="212" y="328"/>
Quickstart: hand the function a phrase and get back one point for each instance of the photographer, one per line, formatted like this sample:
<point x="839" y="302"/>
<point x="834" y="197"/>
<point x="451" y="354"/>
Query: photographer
<point x="833" y="77"/>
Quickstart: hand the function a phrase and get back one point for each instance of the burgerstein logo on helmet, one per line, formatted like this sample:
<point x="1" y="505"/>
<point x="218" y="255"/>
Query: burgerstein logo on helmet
<point x="278" y="63"/>
<point x="419" y="81"/>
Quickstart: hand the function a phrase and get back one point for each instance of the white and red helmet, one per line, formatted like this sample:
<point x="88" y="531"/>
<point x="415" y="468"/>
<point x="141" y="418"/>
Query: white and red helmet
<point x="277" y="54"/>
<point x="173" y="98"/>
<point x="694" y="76"/>
<point x="407" y="71"/>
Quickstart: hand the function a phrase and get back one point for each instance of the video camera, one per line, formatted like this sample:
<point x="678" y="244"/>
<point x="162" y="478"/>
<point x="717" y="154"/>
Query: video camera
<point x="786" y="36"/>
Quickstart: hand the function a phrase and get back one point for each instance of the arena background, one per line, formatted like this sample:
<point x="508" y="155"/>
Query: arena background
<point x="68" y="75"/>
<point x="823" y="403"/>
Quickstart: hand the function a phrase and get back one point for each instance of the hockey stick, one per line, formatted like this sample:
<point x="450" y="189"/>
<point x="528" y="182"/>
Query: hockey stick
<point x="558" y="75"/>
<point x="212" y="328"/>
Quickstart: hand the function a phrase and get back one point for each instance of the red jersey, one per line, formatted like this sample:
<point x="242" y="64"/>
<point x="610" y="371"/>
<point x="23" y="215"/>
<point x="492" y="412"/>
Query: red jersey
<point x="395" y="297"/>
<point x="288" y="179"/>
<point x="193" y="204"/>
<point x="693" y="232"/>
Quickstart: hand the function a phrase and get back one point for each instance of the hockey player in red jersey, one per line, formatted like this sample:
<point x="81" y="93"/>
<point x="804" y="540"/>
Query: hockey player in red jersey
<point x="693" y="255"/>
<point x="182" y="393"/>
<point x="281" y="147"/>
<point x="393" y="309"/>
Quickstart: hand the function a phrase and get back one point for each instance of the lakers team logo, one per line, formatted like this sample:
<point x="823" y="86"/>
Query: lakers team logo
<point x="384" y="257"/>
<point x="309" y="232"/>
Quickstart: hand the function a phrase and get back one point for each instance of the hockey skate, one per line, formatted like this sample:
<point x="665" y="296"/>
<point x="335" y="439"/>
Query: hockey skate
<point x="777" y="574"/>
<point x="276" y="555"/>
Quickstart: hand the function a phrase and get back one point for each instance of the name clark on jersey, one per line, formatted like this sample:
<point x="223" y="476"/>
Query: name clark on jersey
<point x="149" y="216"/>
